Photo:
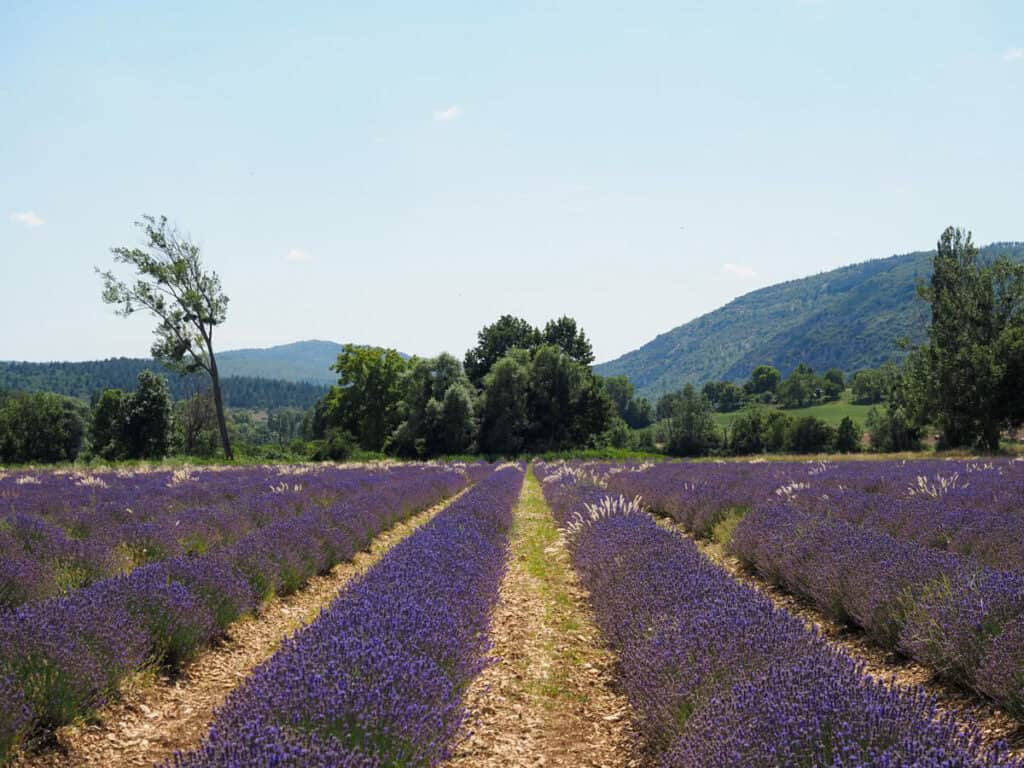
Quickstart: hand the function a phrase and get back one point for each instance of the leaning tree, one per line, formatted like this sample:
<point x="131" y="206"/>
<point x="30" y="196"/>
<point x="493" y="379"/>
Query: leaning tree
<point x="187" y="300"/>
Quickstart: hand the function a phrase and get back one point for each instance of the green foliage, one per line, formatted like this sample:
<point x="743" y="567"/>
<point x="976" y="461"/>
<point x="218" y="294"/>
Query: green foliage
<point x="893" y="430"/>
<point x="135" y="425"/>
<point x="667" y="405"/>
<point x="568" y="405"/>
<point x="833" y="383"/>
<point x="691" y="427"/>
<point x="564" y="334"/>
<point x="106" y="434"/>
<point x="438" y="404"/>
<point x="504" y="420"/>
<point x="809" y="435"/>
<point x="173" y="286"/>
<point x="619" y="435"/>
<point x="832" y="413"/>
<point x="494" y="341"/>
<point x="458" y="420"/>
<point x="286" y="424"/>
<point x="546" y="401"/>
<point x="763" y="379"/>
<point x="966" y="378"/>
<point x="634" y="411"/>
<point x="337" y="445"/>
<point x="848" y="436"/>
<point x="366" y="401"/>
<point x="148" y="418"/>
<point x="260" y="428"/>
<point x="758" y="430"/>
<point x="724" y="396"/>
<point x="41" y="427"/>
<point x="875" y="385"/>
<point x="537" y="390"/>
<point x="87" y="380"/>
<point x="195" y="426"/>
<point x="850" y="318"/>
<point x="800" y="389"/>
<point x="507" y="333"/>
<point x="187" y="301"/>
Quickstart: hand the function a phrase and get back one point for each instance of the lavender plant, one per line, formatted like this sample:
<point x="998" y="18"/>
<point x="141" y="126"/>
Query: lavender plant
<point x="378" y="679"/>
<point x="64" y="656"/>
<point x="719" y="677"/>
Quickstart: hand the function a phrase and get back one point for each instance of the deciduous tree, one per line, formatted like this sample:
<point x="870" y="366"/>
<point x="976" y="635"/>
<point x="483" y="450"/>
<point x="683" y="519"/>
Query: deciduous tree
<point x="365" y="401"/>
<point x="494" y="340"/>
<point x="565" y="335"/>
<point x="186" y="299"/>
<point x="692" y="430"/>
<point x="967" y="375"/>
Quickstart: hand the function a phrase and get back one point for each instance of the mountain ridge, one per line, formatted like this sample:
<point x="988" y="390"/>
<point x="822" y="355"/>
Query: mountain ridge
<point x="852" y="317"/>
<point x="292" y="375"/>
<point x="308" y="360"/>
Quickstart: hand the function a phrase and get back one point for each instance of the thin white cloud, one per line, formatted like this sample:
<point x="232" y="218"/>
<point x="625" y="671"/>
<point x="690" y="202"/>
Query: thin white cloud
<point x="1014" y="54"/>
<point x="450" y="113"/>
<point x="738" y="270"/>
<point x="295" y="256"/>
<point x="28" y="219"/>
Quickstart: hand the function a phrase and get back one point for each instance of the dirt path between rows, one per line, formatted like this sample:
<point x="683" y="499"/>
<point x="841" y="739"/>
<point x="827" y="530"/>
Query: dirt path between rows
<point x="548" y="700"/>
<point x="156" y="718"/>
<point x="883" y="664"/>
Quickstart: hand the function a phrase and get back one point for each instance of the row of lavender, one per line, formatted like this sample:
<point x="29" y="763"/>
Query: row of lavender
<point x="62" y="657"/>
<point x="719" y="677"/>
<point x="63" y="531"/>
<point x="961" y="619"/>
<point x="378" y="679"/>
<point x="965" y="507"/>
<point x="908" y="560"/>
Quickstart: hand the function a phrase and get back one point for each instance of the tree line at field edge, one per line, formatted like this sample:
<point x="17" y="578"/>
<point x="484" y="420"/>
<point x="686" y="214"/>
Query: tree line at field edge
<point x="523" y="389"/>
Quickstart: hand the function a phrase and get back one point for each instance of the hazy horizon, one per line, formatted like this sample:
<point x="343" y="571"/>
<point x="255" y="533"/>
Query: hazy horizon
<point x="402" y="176"/>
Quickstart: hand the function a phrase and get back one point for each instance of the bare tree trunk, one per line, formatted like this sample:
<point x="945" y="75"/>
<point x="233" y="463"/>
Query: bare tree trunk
<point x="218" y="402"/>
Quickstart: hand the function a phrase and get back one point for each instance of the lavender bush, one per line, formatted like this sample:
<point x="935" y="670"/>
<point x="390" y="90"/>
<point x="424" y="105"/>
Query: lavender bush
<point x="964" y="507"/>
<point x="378" y="678"/>
<point x="718" y="677"/>
<point x="65" y="656"/>
<point x="944" y="610"/>
<point x="61" y="531"/>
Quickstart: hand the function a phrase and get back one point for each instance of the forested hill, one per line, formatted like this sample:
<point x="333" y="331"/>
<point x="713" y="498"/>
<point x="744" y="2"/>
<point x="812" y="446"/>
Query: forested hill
<point x="849" y="318"/>
<point x="85" y="379"/>
<point x="300" y="361"/>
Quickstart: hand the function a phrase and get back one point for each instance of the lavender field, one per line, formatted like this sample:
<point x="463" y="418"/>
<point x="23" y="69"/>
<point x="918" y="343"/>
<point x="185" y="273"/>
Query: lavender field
<point x="106" y="575"/>
<point x="924" y="556"/>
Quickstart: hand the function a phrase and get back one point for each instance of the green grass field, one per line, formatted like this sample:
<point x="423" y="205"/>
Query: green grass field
<point x="830" y="413"/>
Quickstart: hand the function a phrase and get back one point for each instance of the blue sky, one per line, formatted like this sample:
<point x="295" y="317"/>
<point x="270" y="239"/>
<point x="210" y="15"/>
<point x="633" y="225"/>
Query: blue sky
<point x="402" y="173"/>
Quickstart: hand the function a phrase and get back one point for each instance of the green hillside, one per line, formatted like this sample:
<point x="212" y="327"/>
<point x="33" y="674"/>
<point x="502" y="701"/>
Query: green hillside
<point x="849" y="318"/>
<point x="287" y="375"/>
<point x="301" y="361"/>
<point x="89" y="378"/>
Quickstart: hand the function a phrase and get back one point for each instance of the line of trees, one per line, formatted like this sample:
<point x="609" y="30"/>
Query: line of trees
<point x="520" y="388"/>
<point x="802" y="388"/>
<point x="44" y="427"/>
<point x="527" y="389"/>
<point x="86" y="380"/>
<point x="143" y="423"/>
<point x="687" y="427"/>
